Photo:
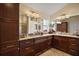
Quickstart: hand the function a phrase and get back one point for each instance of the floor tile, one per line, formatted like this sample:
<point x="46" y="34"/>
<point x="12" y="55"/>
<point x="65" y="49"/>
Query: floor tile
<point x="54" y="52"/>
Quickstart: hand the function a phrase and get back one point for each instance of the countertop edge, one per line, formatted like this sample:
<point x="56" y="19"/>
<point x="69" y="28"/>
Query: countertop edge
<point x="37" y="36"/>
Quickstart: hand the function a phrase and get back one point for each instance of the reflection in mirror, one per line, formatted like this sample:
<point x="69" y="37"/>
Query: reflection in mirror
<point x="23" y="22"/>
<point x="34" y="25"/>
<point x="45" y="25"/>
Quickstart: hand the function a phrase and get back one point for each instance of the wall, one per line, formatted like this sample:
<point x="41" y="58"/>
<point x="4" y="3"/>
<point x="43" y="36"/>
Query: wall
<point x="69" y="9"/>
<point x="73" y="24"/>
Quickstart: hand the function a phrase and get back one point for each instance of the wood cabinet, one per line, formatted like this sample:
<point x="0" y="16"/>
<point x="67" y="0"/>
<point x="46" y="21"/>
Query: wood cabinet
<point x="31" y="47"/>
<point x="9" y="29"/>
<point x="60" y="43"/>
<point x="9" y="11"/>
<point x="73" y="46"/>
<point x="9" y="22"/>
<point x="63" y="27"/>
<point x="26" y="47"/>
<point x="9" y="49"/>
<point x="66" y="44"/>
<point x="41" y="44"/>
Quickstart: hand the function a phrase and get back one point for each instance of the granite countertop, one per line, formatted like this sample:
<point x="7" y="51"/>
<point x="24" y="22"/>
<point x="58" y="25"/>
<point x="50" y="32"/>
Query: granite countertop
<point x="37" y="36"/>
<point x="67" y="35"/>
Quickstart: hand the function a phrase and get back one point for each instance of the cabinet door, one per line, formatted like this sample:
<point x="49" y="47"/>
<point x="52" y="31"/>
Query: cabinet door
<point x="56" y="42"/>
<point x="9" y="31"/>
<point x="26" y="43"/>
<point x="58" y="27"/>
<point x="48" y="44"/>
<point x="63" y="27"/>
<point x="10" y="11"/>
<point x="37" y="48"/>
<point x="9" y="49"/>
<point x="43" y="45"/>
<point x="63" y="44"/>
<point x="60" y="43"/>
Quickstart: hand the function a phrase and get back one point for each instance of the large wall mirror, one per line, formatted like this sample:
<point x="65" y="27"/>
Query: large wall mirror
<point x="29" y="25"/>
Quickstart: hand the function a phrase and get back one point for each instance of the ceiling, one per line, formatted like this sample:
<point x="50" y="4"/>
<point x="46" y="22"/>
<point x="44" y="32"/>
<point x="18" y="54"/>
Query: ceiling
<point x="46" y="8"/>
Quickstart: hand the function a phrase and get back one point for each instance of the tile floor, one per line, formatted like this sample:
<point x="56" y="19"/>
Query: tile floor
<point x="54" y="52"/>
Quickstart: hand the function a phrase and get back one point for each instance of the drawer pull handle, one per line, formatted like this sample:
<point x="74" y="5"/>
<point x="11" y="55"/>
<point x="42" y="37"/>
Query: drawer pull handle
<point x="26" y="48"/>
<point x="27" y="42"/>
<point x="73" y="44"/>
<point x="10" y="46"/>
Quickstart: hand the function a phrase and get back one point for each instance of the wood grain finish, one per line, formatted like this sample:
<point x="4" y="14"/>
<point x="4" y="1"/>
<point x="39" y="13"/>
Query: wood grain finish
<point x="74" y="46"/>
<point x="42" y="44"/>
<point x="66" y="44"/>
<point x="9" y="22"/>
<point x="63" y="27"/>
<point x="60" y="43"/>
<point x="34" y="46"/>
<point x="10" y="11"/>
<point x="26" y="48"/>
<point x="9" y="29"/>
<point x="9" y="49"/>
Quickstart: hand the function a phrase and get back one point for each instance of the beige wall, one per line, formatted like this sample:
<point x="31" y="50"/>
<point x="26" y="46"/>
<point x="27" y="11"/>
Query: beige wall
<point x="73" y="24"/>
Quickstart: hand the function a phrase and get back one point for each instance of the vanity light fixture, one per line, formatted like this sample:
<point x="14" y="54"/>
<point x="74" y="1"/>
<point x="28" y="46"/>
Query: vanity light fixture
<point x="58" y="22"/>
<point x="32" y="14"/>
<point x="61" y="18"/>
<point x="28" y="13"/>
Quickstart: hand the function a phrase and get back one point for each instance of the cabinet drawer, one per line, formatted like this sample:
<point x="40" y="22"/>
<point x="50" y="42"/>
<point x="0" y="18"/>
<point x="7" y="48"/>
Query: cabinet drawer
<point x="73" y="46"/>
<point x="10" y="48"/>
<point x="39" y="40"/>
<point x="10" y="51"/>
<point x="27" y="51"/>
<point x="73" y="52"/>
<point x="26" y="43"/>
<point x="73" y="41"/>
<point x="9" y="44"/>
<point x="42" y="39"/>
<point x="56" y="37"/>
<point x="49" y="37"/>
